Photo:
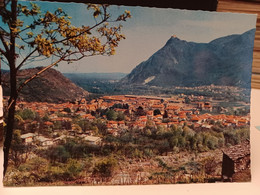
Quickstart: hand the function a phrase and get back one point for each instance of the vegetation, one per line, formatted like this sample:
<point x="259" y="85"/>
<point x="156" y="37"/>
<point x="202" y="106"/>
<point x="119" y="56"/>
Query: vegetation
<point x="73" y="159"/>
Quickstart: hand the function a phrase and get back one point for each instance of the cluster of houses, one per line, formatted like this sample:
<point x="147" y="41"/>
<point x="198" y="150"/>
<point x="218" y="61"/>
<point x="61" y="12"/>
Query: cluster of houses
<point x="197" y="112"/>
<point x="194" y="111"/>
<point x="41" y="141"/>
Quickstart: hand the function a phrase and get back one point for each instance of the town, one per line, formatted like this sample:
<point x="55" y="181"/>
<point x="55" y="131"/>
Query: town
<point x="184" y="125"/>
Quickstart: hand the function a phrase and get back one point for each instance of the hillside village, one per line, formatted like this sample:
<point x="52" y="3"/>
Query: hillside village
<point x="145" y="137"/>
<point x="138" y="111"/>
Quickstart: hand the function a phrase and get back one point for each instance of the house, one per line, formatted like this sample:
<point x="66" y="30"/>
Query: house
<point x="57" y="140"/>
<point x="195" y="119"/>
<point x="204" y="106"/>
<point x="158" y="106"/>
<point x="236" y="160"/>
<point x="159" y="117"/>
<point x="242" y="122"/>
<point x="208" y="106"/>
<point x="140" y="118"/>
<point x="172" y="109"/>
<point x="121" y="124"/>
<point x="81" y="113"/>
<point x="28" y="138"/>
<point x="93" y="140"/>
<point x="139" y="126"/>
<point x="112" y="124"/>
<point x="89" y="117"/>
<point x="165" y="125"/>
<point x="171" y="124"/>
<point x="48" y="124"/>
<point x="182" y="117"/>
<point x="43" y="141"/>
<point x="149" y="114"/>
<point x="200" y="105"/>
<point x="83" y="101"/>
<point x="196" y="112"/>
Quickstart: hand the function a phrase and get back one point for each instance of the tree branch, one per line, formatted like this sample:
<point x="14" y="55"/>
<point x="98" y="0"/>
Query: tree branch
<point x="87" y="30"/>
<point x="3" y="52"/>
<point x="3" y="31"/>
<point x="4" y="43"/>
<point x="25" y="59"/>
<point x="78" y="58"/>
<point x="5" y="61"/>
<point x="38" y="73"/>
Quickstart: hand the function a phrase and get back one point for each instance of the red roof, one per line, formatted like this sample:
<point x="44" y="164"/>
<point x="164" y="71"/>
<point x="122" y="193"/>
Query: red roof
<point x="112" y="122"/>
<point x="157" y="106"/>
<point x="172" y="108"/>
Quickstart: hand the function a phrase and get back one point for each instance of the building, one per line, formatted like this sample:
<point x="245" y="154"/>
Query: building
<point x="93" y="140"/>
<point x="28" y="138"/>
<point x="44" y="141"/>
<point x="236" y="160"/>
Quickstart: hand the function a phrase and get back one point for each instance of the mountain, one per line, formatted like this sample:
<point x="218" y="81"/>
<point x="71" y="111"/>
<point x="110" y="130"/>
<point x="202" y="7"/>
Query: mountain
<point x="223" y="61"/>
<point x="50" y="86"/>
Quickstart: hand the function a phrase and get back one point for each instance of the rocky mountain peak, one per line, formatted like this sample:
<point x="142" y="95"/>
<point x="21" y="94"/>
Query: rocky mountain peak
<point x="223" y="61"/>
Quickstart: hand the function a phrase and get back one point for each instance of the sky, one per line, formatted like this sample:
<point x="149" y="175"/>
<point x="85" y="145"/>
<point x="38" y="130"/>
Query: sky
<point x="148" y="30"/>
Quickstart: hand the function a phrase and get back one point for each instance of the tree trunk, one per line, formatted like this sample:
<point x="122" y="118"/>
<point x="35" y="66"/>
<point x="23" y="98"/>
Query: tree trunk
<point x="1" y="116"/>
<point x="13" y="89"/>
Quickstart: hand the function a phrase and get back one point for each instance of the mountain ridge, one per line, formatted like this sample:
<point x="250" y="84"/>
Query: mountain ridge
<point x="223" y="61"/>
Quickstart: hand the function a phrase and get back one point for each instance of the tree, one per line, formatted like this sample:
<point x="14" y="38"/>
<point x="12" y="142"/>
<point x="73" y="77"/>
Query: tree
<point x="140" y="111"/>
<point x="165" y="115"/>
<point x="111" y="115"/>
<point x="187" y="100"/>
<point x="120" y="116"/>
<point x="156" y="112"/>
<point x="19" y="151"/>
<point x="163" y="146"/>
<point x="29" y="35"/>
<point x="68" y="110"/>
<point x="72" y="169"/>
<point x="102" y="127"/>
<point x="105" y="168"/>
<point x="26" y="114"/>
<point x="77" y="128"/>
<point x="58" y="153"/>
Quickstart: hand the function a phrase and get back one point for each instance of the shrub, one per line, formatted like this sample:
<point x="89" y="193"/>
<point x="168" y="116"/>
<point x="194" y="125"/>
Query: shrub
<point x="72" y="169"/>
<point x="105" y="167"/>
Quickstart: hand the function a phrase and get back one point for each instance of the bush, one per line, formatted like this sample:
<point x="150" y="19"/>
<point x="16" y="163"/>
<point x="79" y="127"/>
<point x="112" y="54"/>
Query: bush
<point x="26" y="114"/>
<point x="105" y="167"/>
<point x="212" y="142"/>
<point x="231" y="137"/>
<point x="58" y="153"/>
<point x="72" y="169"/>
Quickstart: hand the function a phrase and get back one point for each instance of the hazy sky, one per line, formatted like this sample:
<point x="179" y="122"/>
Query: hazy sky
<point x="148" y="30"/>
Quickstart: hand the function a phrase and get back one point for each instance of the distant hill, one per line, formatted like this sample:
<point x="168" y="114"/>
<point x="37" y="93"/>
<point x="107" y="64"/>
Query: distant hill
<point x="97" y="83"/>
<point x="51" y="86"/>
<point x="224" y="61"/>
<point x="94" y="75"/>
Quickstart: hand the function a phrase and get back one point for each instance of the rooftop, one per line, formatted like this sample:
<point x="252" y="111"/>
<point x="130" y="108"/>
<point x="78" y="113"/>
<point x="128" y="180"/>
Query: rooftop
<point x="238" y="151"/>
